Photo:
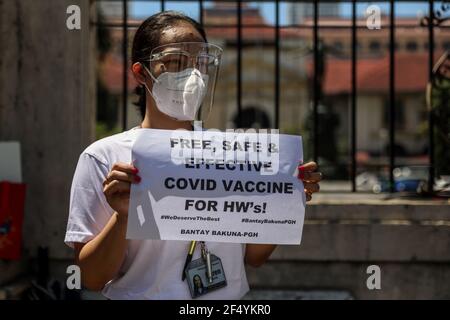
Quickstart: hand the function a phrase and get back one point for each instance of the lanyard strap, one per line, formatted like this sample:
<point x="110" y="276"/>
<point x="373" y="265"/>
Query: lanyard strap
<point x="204" y="252"/>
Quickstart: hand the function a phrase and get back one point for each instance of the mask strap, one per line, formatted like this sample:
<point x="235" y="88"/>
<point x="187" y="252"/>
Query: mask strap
<point x="148" y="90"/>
<point x="149" y="73"/>
<point x="153" y="78"/>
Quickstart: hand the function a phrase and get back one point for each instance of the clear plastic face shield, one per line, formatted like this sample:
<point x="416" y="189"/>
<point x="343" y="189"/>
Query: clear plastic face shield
<point x="184" y="79"/>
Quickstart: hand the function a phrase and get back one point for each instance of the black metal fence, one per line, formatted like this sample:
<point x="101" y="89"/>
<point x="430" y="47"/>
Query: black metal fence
<point x="430" y="22"/>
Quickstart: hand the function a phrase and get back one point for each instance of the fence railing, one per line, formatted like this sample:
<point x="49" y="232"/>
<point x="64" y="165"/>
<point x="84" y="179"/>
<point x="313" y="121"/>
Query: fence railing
<point x="435" y="18"/>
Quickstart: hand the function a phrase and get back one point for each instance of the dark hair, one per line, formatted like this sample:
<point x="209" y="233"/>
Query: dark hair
<point x="148" y="36"/>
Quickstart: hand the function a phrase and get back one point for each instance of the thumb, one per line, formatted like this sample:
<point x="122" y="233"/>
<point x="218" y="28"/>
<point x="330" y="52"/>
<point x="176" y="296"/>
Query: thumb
<point x="307" y="167"/>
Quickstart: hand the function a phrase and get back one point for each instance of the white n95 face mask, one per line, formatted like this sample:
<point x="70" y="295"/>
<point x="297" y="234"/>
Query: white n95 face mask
<point x="179" y="94"/>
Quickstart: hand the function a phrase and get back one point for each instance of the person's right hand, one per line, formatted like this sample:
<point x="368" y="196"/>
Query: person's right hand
<point x="117" y="184"/>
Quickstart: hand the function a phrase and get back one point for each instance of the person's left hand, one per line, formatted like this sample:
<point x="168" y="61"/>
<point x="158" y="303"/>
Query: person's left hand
<point x="307" y="173"/>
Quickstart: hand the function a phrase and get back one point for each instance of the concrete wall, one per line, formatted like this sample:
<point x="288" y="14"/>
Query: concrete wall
<point x="47" y="102"/>
<point x="409" y="240"/>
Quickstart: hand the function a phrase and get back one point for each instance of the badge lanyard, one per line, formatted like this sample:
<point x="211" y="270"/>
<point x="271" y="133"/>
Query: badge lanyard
<point x="204" y="274"/>
<point x="206" y="256"/>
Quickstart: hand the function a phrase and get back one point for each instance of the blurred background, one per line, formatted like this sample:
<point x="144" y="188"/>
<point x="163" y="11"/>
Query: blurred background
<point x="369" y="96"/>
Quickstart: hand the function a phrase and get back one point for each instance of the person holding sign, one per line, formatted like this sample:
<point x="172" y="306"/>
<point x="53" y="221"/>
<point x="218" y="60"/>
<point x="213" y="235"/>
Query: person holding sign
<point x="176" y="69"/>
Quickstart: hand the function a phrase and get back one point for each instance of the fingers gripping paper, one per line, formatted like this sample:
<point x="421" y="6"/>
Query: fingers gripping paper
<point x="216" y="186"/>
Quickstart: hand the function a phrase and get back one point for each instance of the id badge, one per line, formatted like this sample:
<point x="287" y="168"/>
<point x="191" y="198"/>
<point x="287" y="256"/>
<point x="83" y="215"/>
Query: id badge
<point x="197" y="279"/>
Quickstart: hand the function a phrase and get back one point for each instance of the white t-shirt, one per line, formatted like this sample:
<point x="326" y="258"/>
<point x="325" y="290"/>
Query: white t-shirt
<point x="152" y="268"/>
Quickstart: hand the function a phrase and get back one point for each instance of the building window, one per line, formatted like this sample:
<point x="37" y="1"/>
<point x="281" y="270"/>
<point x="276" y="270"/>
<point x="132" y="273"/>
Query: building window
<point x="411" y="46"/>
<point x="252" y="117"/>
<point x="374" y="46"/>
<point x="399" y="113"/>
<point x="426" y="45"/>
<point x="338" y="46"/>
<point x="388" y="46"/>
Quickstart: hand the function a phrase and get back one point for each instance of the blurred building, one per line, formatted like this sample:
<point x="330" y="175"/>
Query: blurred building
<point x="258" y="71"/>
<point x="111" y="8"/>
<point x="298" y="12"/>
<point x="296" y="74"/>
<point x="372" y="75"/>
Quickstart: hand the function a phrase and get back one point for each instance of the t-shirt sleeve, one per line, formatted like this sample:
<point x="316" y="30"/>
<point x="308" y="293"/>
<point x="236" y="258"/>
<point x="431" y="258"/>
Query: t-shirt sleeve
<point x="89" y="211"/>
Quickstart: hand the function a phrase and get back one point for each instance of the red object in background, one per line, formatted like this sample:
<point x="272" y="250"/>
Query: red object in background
<point x="12" y="203"/>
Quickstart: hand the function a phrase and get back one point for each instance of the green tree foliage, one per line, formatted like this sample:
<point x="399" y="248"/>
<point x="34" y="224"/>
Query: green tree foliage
<point x="440" y="103"/>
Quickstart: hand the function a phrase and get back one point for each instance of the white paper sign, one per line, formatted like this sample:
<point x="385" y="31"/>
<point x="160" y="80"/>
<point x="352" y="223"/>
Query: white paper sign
<point x="215" y="186"/>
